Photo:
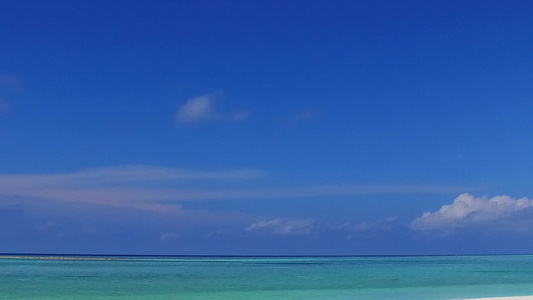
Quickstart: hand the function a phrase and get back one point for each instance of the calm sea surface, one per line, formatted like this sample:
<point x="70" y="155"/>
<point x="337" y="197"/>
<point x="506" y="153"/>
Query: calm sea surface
<point x="335" y="278"/>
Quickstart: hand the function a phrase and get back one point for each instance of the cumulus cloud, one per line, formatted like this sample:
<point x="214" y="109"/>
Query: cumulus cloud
<point x="282" y="227"/>
<point x="202" y="108"/>
<point x="467" y="210"/>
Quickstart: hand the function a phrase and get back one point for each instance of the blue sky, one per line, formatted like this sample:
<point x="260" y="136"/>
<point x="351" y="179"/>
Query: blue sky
<point x="266" y="127"/>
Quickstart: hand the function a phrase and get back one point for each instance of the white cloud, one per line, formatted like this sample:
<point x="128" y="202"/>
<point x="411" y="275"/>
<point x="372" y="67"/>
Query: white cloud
<point x="202" y="108"/>
<point x="283" y="227"/>
<point x="466" y="210"/>
<point x="195" y="110"/>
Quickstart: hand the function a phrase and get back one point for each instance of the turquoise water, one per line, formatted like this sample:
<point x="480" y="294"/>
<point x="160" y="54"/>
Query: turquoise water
<point x="314" y="278"/>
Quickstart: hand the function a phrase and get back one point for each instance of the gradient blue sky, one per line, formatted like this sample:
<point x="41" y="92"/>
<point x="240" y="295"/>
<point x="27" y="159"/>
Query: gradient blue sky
<point x="266" y="127"/>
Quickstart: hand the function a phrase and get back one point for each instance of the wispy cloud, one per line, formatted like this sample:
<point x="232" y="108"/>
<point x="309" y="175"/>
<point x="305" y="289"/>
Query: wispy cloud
<point x="118" y="186"/>
<point x="124" y="173"/>
<point x="282" y="227"/>
<point x="467" y="210"/>
<point x="350" y="190"/>
<point x="161" y="189"/>
<point x="120" y="194"/>
<point x="202" y="109"/>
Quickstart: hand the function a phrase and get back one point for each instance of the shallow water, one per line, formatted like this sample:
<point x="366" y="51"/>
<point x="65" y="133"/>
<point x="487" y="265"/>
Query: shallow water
<point x="320" y="278"/>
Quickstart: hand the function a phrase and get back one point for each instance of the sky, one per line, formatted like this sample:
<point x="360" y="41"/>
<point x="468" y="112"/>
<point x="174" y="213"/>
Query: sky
<point x="266" y="127"/>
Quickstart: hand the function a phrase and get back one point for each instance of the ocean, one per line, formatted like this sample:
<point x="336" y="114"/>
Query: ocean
<point x="258" y="278"/>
